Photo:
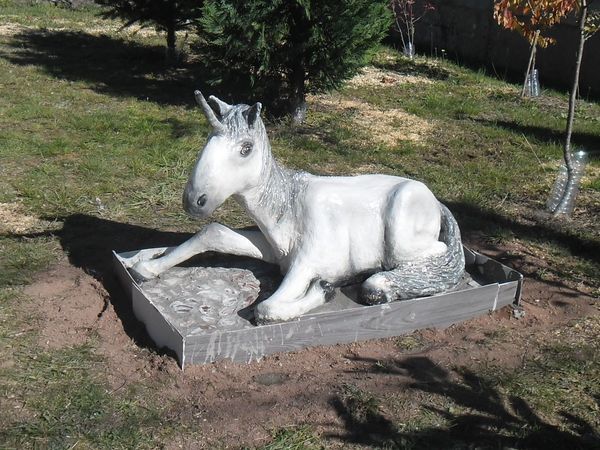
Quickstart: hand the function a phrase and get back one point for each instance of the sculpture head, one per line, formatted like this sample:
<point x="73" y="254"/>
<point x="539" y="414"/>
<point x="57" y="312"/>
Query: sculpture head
<point x="233" y="159"/>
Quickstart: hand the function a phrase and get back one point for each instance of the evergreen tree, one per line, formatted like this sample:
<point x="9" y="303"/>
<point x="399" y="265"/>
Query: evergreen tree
<point x="168" y="16"/>
<point x="284" y="49"/>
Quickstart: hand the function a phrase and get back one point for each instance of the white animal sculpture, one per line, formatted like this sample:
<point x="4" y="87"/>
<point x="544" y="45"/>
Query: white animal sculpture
<point x="321" y="231"/>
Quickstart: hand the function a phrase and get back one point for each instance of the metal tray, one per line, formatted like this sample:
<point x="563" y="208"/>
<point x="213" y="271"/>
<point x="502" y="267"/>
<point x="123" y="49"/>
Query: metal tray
<point x="202" y="311"/>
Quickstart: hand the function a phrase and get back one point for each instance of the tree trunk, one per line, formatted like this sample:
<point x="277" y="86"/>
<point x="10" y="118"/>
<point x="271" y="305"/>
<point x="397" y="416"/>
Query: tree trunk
<point x="531" y="63"/>
<point x="571" y="114"/>
<point x="297" y="95"/>
<point x="299" y="34"/>
<point x="171" y="55"/>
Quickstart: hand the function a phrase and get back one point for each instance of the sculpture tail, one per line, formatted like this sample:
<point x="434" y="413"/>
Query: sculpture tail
<point x="423" y="277"/>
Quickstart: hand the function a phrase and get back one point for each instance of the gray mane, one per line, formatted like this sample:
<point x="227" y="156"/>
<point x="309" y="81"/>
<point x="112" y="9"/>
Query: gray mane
<point x="235" y="122"/>
<point x="282" y="186"/>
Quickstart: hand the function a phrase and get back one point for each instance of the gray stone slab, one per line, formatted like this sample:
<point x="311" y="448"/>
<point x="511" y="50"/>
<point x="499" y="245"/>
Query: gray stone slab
<point x="203" y="312"/>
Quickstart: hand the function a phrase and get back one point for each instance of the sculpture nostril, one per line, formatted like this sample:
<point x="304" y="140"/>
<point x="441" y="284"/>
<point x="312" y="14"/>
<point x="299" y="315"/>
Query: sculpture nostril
<point x="201" y="200"/>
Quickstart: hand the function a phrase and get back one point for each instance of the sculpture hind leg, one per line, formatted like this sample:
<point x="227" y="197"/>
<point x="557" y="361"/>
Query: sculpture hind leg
<point x="402" y="283"/>
<point x="424" y="276"/>
<point x="411" y="225"/>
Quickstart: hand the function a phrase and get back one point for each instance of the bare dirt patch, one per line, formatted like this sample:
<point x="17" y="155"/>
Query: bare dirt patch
<point x="74" y="309"/>
<point x="72" y="304"/>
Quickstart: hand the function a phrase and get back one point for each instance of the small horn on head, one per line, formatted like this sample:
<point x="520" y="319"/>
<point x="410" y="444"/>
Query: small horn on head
<point x="222" y="107"/>
<point x="208" y="112"/>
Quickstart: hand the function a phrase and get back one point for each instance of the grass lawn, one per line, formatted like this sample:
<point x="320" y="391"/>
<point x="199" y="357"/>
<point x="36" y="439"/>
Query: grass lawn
<point x="94" y="130"/>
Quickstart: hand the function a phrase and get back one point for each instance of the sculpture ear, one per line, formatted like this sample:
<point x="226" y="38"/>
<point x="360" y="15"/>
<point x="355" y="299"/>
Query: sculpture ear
<point x="252" y="114"/>
<point x="219" y="105"/>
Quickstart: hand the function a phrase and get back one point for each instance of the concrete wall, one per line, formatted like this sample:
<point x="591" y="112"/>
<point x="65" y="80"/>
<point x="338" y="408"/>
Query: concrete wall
<point x="467" y="31"/>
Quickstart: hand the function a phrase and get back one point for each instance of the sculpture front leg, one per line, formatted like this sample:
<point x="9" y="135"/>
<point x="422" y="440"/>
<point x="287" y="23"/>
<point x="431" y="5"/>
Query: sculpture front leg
<point x="299" y="292"/>
<point x="214" y="237"/>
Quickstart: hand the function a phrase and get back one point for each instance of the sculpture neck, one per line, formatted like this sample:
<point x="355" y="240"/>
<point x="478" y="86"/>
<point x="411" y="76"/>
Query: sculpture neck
<point x="273" y="200"/>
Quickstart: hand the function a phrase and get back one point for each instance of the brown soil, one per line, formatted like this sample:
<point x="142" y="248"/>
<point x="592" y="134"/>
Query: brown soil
<point x="238" y="404"/>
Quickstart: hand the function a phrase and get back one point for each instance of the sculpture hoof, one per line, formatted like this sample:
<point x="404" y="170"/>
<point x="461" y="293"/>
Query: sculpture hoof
<point x="375" y="290"/>
<point x="265" y="314"/>
<point x="264" y="320"/>
<point x="140" y="272"/>
<point x="328" y="290"/>
<point x="372" y="296"/>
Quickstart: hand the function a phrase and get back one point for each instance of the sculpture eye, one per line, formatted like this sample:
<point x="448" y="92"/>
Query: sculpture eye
<point x="246" y="148"/>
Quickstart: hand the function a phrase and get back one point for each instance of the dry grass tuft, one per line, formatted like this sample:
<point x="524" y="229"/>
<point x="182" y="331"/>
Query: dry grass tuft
<point x="14" y="221"/>
<point x="387" y="127"/>
<point x="11" y="29"/>
<point x="100" y="28"/>
<point x="373" y="76"/>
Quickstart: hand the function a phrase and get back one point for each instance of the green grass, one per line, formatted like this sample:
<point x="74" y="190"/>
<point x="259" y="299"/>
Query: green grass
<point x="20" y="260"/>
<point x="568" y="371"/>
<point x="58" y="399"/>
<point x="68" y="406"/>
<point x="410" y="343"/>
<point x="361" y="405"/>
<point x="550" y="400"/>
<point x="44" y="14"/>
<point x="294" y="438"/>
<point x="485" y="145"/>
<point x="94" y="149"/>
<point x="92" y="122"/>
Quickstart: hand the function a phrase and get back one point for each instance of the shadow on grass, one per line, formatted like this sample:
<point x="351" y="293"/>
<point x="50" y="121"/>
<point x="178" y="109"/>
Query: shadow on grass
<point x="414" y="67"/>
<point x="89" y="241"/>
<point x="541" y="228"/>
<point x="112" y="66"/>
<point x="493" y="420"/>
<point x="589" y="141"/>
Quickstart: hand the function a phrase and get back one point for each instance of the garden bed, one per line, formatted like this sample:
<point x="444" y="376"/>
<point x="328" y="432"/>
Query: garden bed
<point x="203" y="312"/>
